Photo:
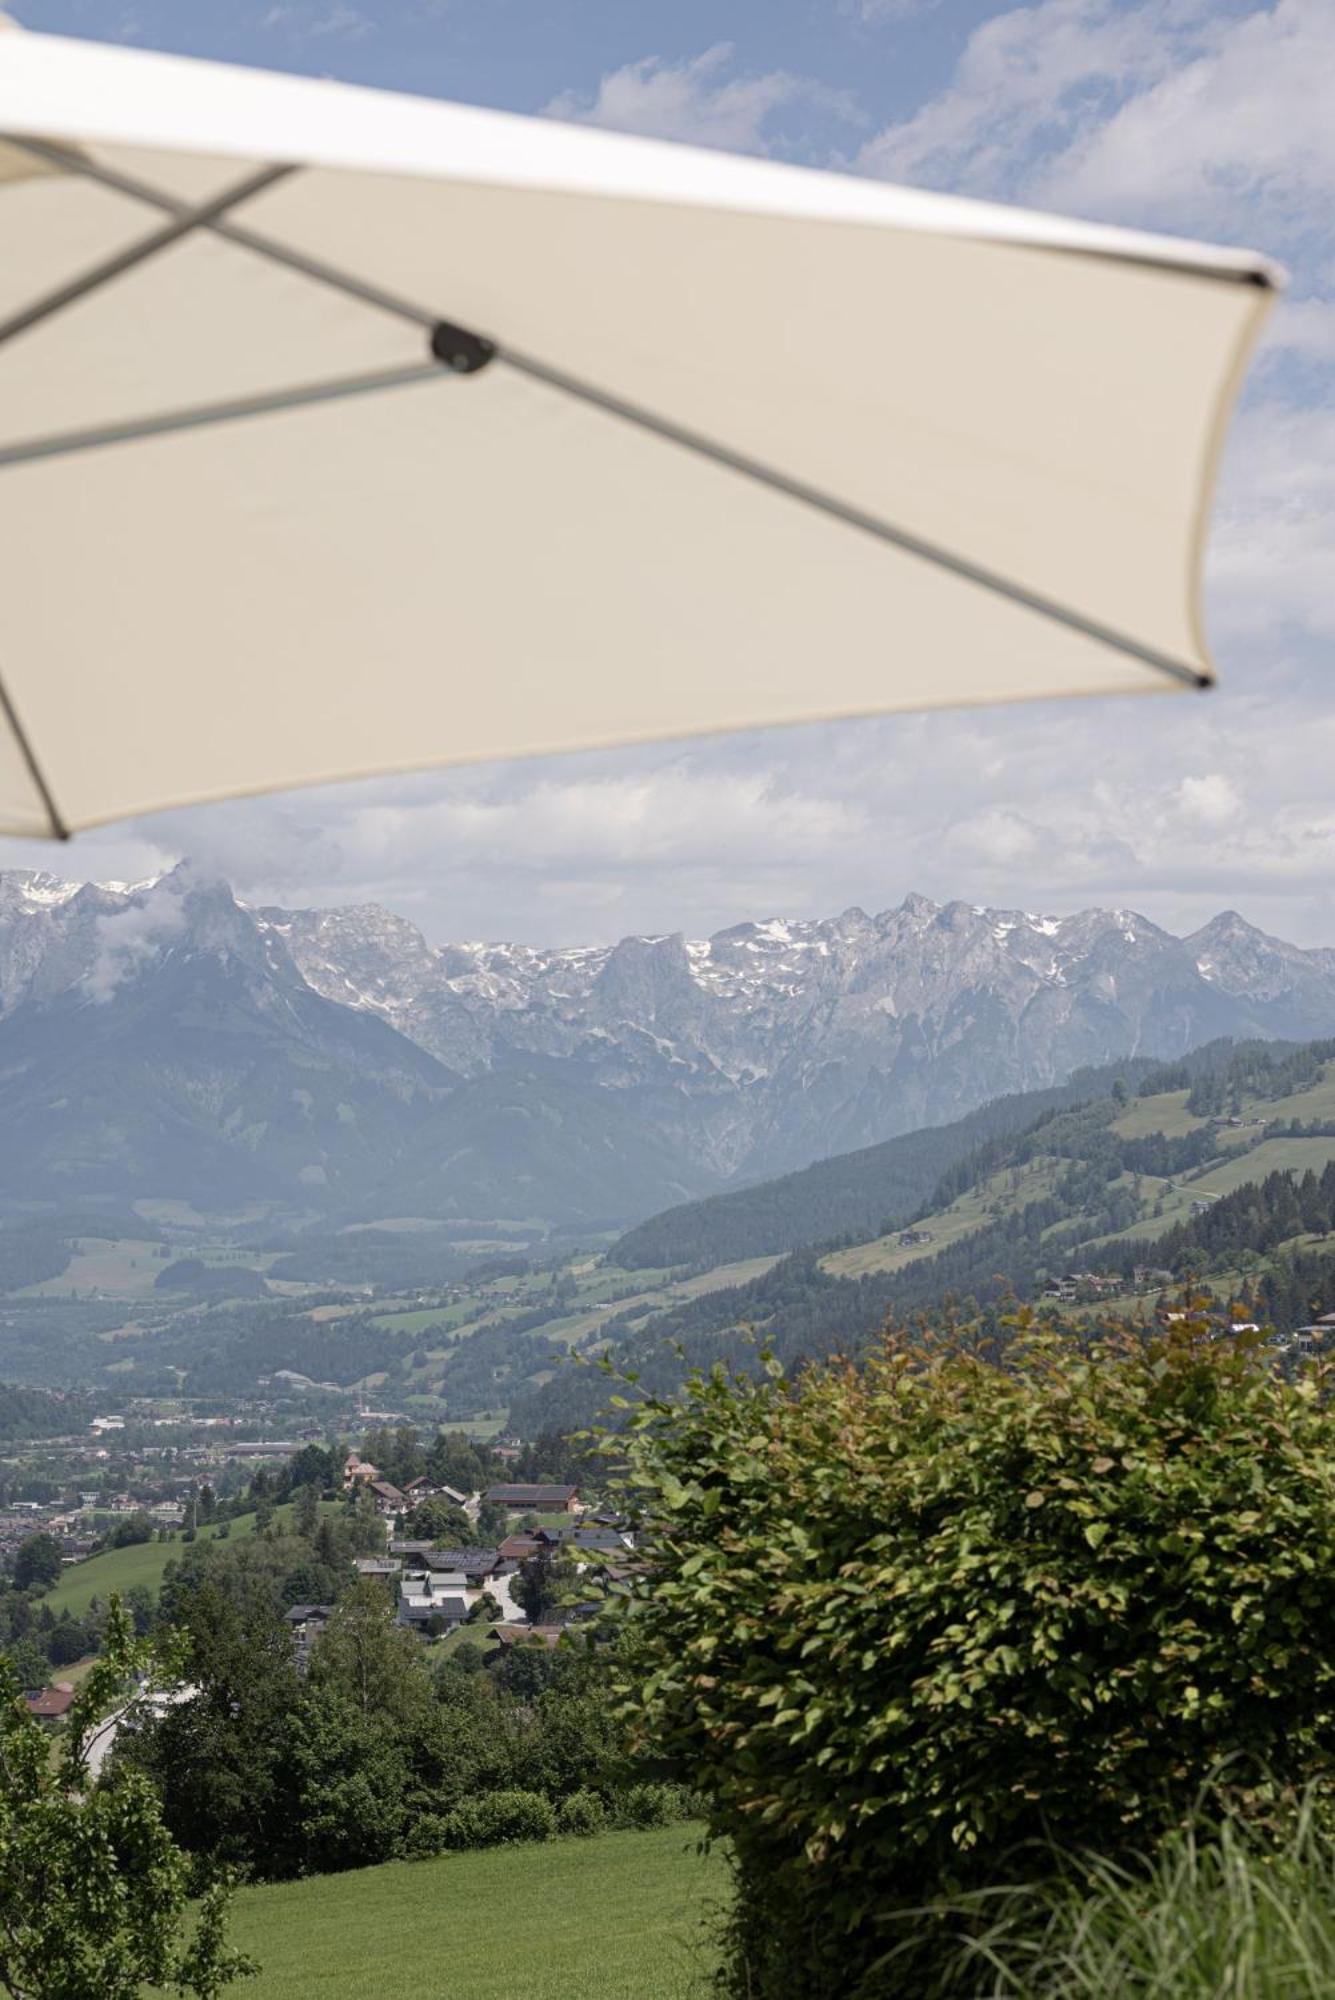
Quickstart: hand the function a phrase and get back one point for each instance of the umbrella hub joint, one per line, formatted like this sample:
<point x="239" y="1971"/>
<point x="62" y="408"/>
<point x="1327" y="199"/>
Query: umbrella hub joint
<point x="463" y="352"/>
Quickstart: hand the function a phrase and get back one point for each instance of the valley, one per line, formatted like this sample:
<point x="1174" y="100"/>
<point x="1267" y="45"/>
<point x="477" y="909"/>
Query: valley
<point x="1061" y="1198"/>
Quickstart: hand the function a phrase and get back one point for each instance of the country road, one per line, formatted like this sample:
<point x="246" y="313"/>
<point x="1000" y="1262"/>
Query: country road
<point x="103" y="1739"/>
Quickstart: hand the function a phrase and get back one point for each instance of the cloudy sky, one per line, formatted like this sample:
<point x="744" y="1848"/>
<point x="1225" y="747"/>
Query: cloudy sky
<point x="1208" y="117"/>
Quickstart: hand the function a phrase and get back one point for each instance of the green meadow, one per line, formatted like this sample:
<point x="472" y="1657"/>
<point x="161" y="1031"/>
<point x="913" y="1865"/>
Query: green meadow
<point x="143" y="1563"/>
<point x="621" y="1916"/>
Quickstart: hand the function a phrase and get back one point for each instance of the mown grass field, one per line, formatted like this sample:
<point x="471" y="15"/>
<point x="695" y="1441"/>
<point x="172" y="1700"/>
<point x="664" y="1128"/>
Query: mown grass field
<point x="623" y="1916"/>
<point x="141" y="1563"/>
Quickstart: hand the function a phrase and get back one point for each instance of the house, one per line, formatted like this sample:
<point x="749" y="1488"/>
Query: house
<point x="910" y="1238"/>
<point x="534" y="1499"/>
<point x="358" y="1471"/>
<point x="388" y="1499"/>
<point x="430" y="1489"/>
<point x="382" y="1566"/>
<point x="426" y="1595"/>
<point x="306" y="1623"/>
<point x="476" y="1564"/>
<point x="505" y="1637"/>
<point x="518" y="1548"/>
<point x="596" y="1541"/>
<point x="49" y="1704"/>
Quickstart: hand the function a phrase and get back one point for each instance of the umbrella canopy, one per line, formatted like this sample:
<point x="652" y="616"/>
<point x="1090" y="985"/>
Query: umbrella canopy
<point x="344" y="432"/>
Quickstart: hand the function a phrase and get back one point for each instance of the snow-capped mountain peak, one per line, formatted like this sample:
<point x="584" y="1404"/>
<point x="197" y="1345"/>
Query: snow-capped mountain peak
<point x="758" y="1048"/>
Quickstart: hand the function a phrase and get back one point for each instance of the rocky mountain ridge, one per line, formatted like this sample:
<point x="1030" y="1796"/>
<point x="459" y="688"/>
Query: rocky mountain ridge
<point x="748" y="1053"/>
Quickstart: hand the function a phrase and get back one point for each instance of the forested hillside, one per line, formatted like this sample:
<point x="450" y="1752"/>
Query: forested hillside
<point x="854" y="1194"/>
<point x="1223" y="1165"/>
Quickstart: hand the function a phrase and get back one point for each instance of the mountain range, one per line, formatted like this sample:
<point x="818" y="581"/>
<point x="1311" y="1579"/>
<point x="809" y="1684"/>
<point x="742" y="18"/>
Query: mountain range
<point x="166" y="1038"/>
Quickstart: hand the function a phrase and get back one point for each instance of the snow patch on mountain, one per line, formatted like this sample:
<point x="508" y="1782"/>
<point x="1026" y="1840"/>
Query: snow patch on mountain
<point x="761" y="1047"/>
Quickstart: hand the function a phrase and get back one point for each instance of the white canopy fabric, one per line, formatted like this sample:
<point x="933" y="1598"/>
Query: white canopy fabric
<point x="343" y="432"/>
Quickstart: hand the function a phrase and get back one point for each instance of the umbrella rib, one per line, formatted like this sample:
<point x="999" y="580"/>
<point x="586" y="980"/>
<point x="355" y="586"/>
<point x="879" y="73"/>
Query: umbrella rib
<point x="64" y="442"/>
<point x="231" y="232"/>
<point x="59" y="830"/>
<point x="184" y="221"/>
<point x="633" y="413"/>
<point x="857" y="517"/>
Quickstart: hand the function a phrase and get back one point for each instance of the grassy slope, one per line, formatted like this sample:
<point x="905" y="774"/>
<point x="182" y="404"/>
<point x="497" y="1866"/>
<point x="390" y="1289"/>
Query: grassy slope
<point x="999" y="1194"/>
<point x="1249" y="1163"/>
<point x="618" y="1917"/>
<point x="1244" y="1156"/>
<point x="141" y="1563"/>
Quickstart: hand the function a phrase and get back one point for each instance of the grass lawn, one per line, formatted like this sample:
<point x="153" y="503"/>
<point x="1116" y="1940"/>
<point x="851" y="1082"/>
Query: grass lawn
<point x="462" y="1635"/>
<point x="140" y="1563"/>
<point x="622" y="1916"/>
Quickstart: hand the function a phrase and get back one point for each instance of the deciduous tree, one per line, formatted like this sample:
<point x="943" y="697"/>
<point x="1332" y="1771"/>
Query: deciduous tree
<point x="94" y="1894"/>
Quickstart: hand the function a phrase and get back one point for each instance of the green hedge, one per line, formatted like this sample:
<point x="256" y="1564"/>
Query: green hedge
<point x="582" y="1812"/>
<point x="494" y="1818"/>
<point x="905" y="1619"/>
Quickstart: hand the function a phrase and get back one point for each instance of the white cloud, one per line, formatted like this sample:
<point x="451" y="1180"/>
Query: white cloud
<point x="1270" y="553"/>
<point x="698" y="101"/>
<point x="1240" y="119"/>
<point x="1026" y="77"/>
<point x="1183" y="113"/>
<point x="1210" y="800"/>
<point x="128" y="938"/>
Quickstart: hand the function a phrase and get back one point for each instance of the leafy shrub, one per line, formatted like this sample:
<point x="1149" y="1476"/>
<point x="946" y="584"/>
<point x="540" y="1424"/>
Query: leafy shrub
<point x="904" y="1619"/>
<point x="652" y="1805"/>
<point x="428" y="1834"/>
<point x="493" y="1818"/>
<point x="582" y="1812"/>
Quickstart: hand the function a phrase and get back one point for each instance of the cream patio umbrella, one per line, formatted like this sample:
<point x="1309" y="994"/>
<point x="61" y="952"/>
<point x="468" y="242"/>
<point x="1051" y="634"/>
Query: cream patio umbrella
<point x="343" y="432"/>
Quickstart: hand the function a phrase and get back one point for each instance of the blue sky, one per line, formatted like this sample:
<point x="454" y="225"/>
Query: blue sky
<point x="1207" y="117"/>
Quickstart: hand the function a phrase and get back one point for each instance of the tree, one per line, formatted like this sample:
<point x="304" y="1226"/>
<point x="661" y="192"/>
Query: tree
<point x="439" y="1520"/>
<point x="30" y="1664"/>
<point x="370" y="1661"/>
<point x="455" y="1460"/>
<point x="311" y="1466"/>
<point x="219" y="1759"/>
<point x="306" y="1514"/>
<point x="37" y="1562"/>
<point x="544" y="1582"/>
<point x="492" y="1523"/>
<point x="67" y="1640"/>
<point x="96" y="1895"/>
<point x="366" y="1530"/>
<point x="134" y="1529"/>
